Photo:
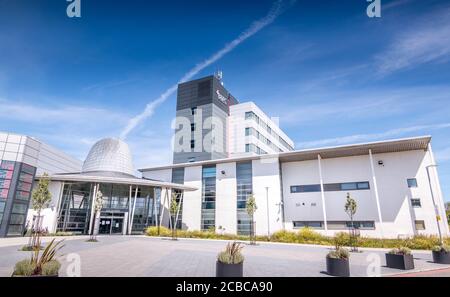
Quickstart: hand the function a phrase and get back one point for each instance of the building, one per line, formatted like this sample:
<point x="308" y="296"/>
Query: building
<point x="395" y="184"/>
<point x="252" y="132"/>
<point x="130" y="204"/>
<point x="211" y="124"/>
<point x="21" y="159"/>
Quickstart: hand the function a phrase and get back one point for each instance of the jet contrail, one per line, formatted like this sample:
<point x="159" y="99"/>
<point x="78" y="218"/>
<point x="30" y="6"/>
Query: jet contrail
<point x="255" y="27"/>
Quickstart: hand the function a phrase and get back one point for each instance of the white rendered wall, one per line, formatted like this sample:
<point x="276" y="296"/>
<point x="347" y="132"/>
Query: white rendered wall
<point x="192" y="201"/>
<point x="226" y="198"/>
<point x="164" y="175"/>
<point x="266" y="174"/>
<point x="50" y="214"/>
<point x="395" y="197"/>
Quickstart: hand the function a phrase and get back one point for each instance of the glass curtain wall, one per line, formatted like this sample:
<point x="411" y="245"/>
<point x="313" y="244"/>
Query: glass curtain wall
<point x="208" y="218"/>
<point x="144" y="209"/>
<point x="74" y="214"/>
<point x="244" y="190"/>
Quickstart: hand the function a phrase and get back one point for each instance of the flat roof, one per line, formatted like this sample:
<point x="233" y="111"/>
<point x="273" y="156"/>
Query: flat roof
<point x="378" y="147"/>
<point x="76" y="177"/>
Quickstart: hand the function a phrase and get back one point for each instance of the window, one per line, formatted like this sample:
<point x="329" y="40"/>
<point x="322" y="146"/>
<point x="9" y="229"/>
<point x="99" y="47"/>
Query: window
<point x="305" y="224"/>
<point x="349" y="187"/>
<point x="420" y="224"/>
<point x="192" y="127"/>
<point x="305" y="189"/>
<point x="193" y="110"/>
<point x="208" y="215"/>
<point x="416" y="203"/>
<point x="247" y="131"/>
<point x="412" y="183"/>
<point x="192" y="144"/>
<point x="344" y="225"/>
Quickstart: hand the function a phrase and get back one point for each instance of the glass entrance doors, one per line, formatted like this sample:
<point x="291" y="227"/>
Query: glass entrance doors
<point x="112" y="223"/>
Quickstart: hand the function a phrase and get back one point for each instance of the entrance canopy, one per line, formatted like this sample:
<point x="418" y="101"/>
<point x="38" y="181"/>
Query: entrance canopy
<point x="120" y="179"/>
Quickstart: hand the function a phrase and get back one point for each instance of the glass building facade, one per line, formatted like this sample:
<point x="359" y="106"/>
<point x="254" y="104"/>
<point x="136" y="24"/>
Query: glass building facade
<point x="208" y="218"/>
<point x="244" y="188"/>
<point x="118" y="204"/>
<point x="16" y="182"/>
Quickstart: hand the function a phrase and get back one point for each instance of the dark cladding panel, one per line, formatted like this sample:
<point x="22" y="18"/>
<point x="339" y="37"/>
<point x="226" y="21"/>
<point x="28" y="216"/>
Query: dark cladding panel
<point x="194" y="93"/>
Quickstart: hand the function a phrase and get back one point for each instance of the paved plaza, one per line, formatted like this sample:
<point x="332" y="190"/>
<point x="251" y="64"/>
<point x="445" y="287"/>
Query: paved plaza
<point x="146" y="256"/>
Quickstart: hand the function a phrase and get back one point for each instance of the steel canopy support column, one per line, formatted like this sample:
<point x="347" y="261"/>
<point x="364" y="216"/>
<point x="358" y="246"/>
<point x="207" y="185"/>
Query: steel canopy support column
<point x="130" y="227"/>
<point x="91" y="219"/>
<point x="322" y="192"/>
<point x="179" y="207"/>
<point x="129" y="209"/>
<point x="377" y="197"/>
<point x="166" y="194"/>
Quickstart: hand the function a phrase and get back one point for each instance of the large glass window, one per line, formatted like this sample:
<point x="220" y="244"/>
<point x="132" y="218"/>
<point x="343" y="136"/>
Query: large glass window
<point x="74" y="214"/>
<point x="244" y="189"/>
<point x="208" y="218"/>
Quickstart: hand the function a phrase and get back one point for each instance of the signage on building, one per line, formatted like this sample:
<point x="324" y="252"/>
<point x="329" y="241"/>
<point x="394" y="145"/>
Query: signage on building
<point x="222" y="98"/>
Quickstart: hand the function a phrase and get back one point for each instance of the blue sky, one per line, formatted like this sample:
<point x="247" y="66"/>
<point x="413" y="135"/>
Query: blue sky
<point x="332" y="75"/>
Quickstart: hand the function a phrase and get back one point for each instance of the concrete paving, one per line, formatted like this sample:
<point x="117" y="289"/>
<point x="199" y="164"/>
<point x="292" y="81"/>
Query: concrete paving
<point x="146" y="256"/>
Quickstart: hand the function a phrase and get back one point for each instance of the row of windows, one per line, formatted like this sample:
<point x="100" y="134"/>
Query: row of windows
<point x="252" y="148"/>
<point x="250" y="115"/>
<point x="331" y="187"/>
<point x="252" y="131"/>
<point x="412" y="183"/>
<point x="335" y="225"/>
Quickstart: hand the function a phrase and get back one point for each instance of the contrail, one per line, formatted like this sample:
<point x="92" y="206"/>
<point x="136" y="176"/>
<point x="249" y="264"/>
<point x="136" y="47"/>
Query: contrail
<point x="255" y="27"/>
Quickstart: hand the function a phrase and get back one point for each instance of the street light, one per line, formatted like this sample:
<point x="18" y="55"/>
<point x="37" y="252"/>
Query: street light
<point x="436" y="209"/>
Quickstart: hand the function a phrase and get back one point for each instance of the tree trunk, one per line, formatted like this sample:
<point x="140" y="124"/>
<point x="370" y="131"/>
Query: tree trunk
<point x="96" y="225"/>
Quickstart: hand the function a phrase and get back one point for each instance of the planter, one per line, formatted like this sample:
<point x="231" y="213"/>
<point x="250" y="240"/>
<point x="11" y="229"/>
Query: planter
<point x="229" y="270"/>
<point x="441" y="257"/>
<point x="338" y="267"/>
<point x="404" y="262"/>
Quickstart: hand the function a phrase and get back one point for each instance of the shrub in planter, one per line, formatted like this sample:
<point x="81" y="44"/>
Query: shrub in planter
<point x="338" y="262"/>
<point x="230" y="262"/>
<point x="400" y="258"/>
<point x="40" y="264"/>
<point x="441" y="254"/>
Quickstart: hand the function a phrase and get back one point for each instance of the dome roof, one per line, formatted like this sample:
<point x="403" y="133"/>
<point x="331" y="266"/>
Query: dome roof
<point x="111" y="155"/>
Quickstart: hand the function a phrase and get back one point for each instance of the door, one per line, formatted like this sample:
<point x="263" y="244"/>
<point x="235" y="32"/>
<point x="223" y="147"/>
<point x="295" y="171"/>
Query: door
<point x="117" y="226"/>
<point x="105" y="226"/>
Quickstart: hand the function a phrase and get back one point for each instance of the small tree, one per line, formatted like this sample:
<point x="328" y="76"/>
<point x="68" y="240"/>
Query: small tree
<point x="350" y="208"/>
<point x="251" y="209"/>
<point x="98" y="205"/>
<point x="41" y="199"/>
<point x="173" y="209"/>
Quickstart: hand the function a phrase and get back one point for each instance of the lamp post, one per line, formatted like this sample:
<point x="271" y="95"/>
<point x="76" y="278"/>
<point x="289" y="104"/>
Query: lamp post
<point x="267" y="204"/>
<point x="436" y="208"/>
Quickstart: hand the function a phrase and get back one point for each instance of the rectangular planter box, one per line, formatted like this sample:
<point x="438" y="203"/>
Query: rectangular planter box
<point x="229" y="270"/>
<point x="441" y="257"/>
<point x="338" y="267"/>
<point x="404" y="262"/>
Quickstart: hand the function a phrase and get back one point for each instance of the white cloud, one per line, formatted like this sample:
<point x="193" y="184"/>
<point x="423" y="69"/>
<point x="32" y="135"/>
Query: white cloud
<point x="428" y="41"/>
<point x="254" y="28"/>
<point x="371" y="137"/>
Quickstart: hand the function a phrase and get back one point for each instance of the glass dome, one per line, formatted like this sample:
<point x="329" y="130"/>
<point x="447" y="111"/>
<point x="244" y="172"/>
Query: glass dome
<point x="110" y="155"/>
